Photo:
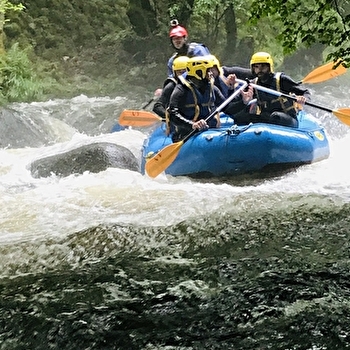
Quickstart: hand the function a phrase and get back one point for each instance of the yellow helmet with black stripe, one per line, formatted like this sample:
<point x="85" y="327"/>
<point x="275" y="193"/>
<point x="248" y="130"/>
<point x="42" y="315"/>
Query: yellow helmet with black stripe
<point x="197" y="66"/>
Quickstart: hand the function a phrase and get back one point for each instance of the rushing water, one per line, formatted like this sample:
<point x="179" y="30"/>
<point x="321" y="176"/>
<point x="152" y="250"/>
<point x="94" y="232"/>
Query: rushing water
<point x="117" y="260"/>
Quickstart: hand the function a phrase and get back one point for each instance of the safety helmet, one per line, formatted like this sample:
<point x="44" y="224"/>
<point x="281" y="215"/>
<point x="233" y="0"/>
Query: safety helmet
<point x="216" y="61"/>
<point x="180" y="63"/>
<point x="197" y="66"/>
<point x="262" y="57"/>
<point x="176" y="29"/>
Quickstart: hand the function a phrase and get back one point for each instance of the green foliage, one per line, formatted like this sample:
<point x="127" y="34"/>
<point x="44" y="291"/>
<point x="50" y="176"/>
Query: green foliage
<point x="6" y="6"/>
<point x="18" y="82"/>
<point x="65" y="27"/>
<point x="78" y="44"/>
<point x="181" y="10"/>
<point x="209" y="25"/>
<point x="307" y="22"/>
<point x="209" y="14"/>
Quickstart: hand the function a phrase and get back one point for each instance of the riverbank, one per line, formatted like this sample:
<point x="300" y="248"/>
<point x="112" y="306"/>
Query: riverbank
<point x="99" y="73"/>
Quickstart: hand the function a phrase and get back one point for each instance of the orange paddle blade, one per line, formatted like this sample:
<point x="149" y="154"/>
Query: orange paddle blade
<point x="131" y="117"/>
<point x="324" y="73"/>
<point x="343" y="114"/>
<point x="157" y="164"/>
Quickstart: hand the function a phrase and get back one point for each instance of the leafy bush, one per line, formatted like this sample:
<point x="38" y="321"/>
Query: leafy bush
<point x="18" y="81"/>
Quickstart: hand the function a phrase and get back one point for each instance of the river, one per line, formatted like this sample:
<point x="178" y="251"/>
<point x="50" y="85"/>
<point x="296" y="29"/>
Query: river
<point x="117" y="260"/>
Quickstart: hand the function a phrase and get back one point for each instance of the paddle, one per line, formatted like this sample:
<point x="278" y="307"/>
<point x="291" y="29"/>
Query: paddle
<point x="163" y="159"/>
<point x="327" y="71"/>
<point x="343" y="114"/>
<point x="148" y="103"/>
<point x="131" y="117"/>
<point x="137" y="118"/>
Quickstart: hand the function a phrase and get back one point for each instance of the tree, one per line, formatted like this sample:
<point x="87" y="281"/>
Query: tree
<point x="304" y="23"/>
<point x="6" y="6"/>
<point x="142" y="17"/>
<point x="216" y="21"/>
<point x="182" y="11"/>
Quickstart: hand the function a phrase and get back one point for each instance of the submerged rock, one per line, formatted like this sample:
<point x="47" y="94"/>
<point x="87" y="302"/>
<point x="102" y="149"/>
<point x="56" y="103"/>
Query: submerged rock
<point x="94" y="157"/>
<point x="21" y="128"/>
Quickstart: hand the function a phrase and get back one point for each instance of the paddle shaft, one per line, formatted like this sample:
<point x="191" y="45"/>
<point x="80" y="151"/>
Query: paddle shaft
<point x="148" y="103"/>
<point x="318" y="75"/>
<point x="165" y="157"/>
<point x="278" y="93"/>
<point x="219" y="108"/>
<point x="138" y="118"/>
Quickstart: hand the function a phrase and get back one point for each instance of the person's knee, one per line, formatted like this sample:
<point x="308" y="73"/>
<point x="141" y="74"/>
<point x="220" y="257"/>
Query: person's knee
<point x="283" y="119"/>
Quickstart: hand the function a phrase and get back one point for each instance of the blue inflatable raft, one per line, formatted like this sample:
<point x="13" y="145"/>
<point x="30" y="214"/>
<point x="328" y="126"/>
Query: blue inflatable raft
<point x="235" y="150"/>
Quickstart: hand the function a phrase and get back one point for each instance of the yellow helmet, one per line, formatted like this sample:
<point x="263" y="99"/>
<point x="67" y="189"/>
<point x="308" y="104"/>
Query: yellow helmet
<point x="215" y="60"/>
<point x="180" y="63"/>
<point x="197" y="66"/>
<point x="262" y="57"/>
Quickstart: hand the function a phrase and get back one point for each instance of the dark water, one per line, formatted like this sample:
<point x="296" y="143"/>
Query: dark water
<point x="118" y="261"/>
<point x="262" y="280"/>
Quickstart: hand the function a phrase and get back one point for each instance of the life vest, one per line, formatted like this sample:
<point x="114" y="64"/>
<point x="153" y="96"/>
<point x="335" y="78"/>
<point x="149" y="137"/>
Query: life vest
<point x="268" y="104"/>
<point x="199" y="106"/>
<point x="195" y="49"/>
<point x="167" y="118"/>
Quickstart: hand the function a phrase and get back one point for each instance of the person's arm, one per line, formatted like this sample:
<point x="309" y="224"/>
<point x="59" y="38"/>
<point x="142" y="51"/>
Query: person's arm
<point x="176" y="103"/>
<point x="239" y="72"/>
<point x="162" y="103"/>
<point x="288" y="85"/>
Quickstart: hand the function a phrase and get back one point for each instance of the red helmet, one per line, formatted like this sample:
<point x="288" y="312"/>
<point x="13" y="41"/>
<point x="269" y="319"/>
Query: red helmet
<point x="178" y="31"/>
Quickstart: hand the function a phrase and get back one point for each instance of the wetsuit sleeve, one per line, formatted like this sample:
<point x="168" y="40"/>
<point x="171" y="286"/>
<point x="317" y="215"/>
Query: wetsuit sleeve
<point x="176" y="104"/>
<point x="240" y="72"/>
<point x="288" y="85"/>
<point x="162" y="103"/>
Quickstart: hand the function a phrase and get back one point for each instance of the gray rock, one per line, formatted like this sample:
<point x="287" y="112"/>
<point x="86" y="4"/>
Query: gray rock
<point x="94" y="157"/>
